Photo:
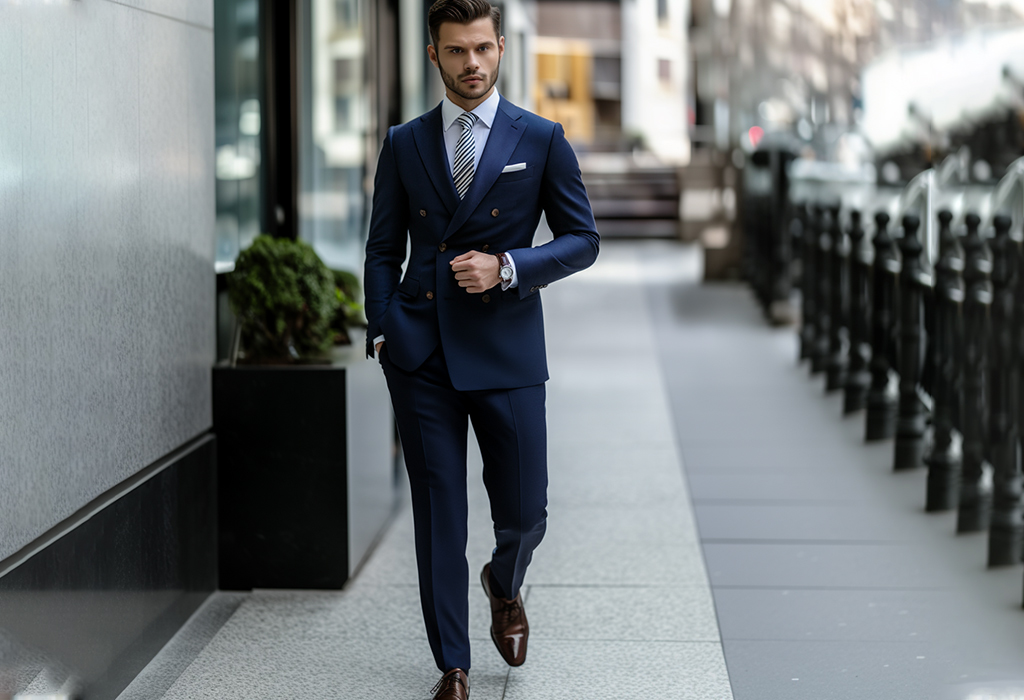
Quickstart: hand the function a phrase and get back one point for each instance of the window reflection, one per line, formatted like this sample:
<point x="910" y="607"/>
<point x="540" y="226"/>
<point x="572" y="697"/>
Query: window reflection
<point x="335" y="118"/>
<point x="237" y="97"/>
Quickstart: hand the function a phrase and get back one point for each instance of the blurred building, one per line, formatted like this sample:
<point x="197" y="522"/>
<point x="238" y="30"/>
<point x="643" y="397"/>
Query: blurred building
<point x="616" y="74"/>
<point x="796" y="66"/>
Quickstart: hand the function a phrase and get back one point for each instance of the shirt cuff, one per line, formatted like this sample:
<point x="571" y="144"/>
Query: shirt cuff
<point x="514" y="282"/>
<point x="378" y="339"/>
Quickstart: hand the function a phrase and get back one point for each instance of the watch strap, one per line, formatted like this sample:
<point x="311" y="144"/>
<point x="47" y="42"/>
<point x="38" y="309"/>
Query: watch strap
<point x="503" y="263"/>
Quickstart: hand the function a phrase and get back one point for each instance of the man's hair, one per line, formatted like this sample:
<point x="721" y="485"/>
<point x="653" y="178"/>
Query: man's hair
<point x="460" y="12"/>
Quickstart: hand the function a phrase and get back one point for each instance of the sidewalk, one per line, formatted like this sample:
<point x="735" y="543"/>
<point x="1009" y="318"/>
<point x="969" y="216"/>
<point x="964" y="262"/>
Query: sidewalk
<point x="618" y="596"/>
<point x="829" y="581"/>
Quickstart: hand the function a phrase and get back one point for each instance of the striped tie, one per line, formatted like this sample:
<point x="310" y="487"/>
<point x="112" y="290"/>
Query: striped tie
<point x="465" y="154"/>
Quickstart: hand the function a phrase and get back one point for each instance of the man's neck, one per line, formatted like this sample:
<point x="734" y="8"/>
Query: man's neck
<point x="468" y="105"/>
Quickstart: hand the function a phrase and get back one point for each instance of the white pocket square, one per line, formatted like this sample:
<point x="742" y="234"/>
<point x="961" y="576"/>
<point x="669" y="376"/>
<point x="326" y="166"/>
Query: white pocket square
<point x="514" y="167"/>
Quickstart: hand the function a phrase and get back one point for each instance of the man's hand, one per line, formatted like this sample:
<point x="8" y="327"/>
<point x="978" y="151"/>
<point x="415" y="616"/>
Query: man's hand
<point x="376" y="348"/>
<point x="476" y="272"/>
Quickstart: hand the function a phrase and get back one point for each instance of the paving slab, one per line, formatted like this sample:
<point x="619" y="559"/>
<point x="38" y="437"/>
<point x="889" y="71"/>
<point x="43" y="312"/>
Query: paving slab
<point x="615" y="670"/>
<point x="829" y="565"/>
<point x="627" y="613"/>
<point x="771" y="614"/>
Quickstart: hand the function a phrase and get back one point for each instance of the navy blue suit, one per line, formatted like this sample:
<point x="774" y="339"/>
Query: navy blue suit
<point x="451" y="356"/>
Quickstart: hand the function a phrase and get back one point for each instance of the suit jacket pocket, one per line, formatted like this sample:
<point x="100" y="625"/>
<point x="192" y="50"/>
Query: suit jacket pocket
<point x="515" y="175"/>
<point x="409" y="287"/>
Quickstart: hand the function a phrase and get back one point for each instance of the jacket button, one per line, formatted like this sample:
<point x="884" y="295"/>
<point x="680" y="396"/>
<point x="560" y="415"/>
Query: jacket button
<point x="485" y="248"/>
<point x="423" y="212"/>
<point x="485" y="298"/>
<point x="533" y="289"/>
<point x="430" y="295"/>
<point x="494" y="212"/>
<point x="443" y="247"/>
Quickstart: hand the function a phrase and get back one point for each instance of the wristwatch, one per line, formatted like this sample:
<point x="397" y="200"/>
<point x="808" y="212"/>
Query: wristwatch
<point x="504" y="270"/>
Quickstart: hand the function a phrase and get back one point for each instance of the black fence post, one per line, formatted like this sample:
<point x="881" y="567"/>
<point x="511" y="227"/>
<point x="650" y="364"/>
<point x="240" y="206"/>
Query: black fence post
<point x="808" y="282"/>
<point x="946" y="457"/>
<point x="884" y="392"/>
<point x="911" y="418"/>
<point x="837" y="362"/>
<point x="858" y="376"/>
<point x="780" y="253"/>
<point x="823" y="301"/>
<point x="976" y="489"/>
<point x="1006" y="534"/>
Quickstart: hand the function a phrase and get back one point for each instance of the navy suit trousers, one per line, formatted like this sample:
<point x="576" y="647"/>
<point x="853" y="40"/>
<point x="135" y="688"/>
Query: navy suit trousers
<point x="433" y="422"/>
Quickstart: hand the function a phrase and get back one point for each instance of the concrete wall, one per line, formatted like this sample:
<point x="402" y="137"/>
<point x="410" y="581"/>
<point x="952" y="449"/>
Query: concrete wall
<point x="106" y="247"/>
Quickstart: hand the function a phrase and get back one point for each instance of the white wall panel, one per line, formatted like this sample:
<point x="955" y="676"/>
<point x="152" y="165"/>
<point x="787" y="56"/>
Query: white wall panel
<point x="197" y="12"/>
<point x="200" y="12"/>
<point x="106" y="248"/>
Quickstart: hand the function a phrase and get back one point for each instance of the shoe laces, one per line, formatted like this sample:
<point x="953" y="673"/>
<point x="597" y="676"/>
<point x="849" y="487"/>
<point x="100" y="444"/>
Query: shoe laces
<point x="510" y="610"/>
<point x="447" y="681"/>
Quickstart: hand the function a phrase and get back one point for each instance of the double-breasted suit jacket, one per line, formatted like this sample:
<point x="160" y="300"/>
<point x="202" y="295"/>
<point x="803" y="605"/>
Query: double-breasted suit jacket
<point x="493" y="340"/>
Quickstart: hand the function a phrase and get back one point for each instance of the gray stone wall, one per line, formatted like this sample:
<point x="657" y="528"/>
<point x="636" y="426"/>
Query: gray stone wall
<point x="106" y="247"/>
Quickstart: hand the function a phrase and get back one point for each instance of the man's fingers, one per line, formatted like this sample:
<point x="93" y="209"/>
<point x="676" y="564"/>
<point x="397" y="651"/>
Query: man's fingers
<point x="468" y="266"/>
<point x="469" y="271"/>
<point x="465" y="256"/>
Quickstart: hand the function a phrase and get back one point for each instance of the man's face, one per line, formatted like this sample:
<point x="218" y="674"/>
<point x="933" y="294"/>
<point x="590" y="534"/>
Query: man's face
<point x="468" y="56"/>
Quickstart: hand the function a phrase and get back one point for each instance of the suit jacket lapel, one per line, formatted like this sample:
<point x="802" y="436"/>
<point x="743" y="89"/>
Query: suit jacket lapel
<point x="505" y="134"/>
<point x="428" y="133"/>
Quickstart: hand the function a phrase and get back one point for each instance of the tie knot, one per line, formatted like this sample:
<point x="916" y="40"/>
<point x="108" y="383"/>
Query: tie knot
<point x="467" y="120"/>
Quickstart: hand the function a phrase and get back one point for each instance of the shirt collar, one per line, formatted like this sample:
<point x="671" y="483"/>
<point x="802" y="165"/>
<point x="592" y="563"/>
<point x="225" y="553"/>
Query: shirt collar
<point x="484" y="112"/>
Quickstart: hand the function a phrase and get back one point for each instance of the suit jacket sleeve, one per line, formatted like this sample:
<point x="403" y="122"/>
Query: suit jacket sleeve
<point x="386" y="243"/>
<point x="564" y="200"/>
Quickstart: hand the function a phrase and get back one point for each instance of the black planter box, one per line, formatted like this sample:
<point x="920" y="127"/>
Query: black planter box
<point x="306" y="474"/>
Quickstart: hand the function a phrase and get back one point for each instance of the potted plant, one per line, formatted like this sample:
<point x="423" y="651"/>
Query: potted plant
<point x="304" y="431"/>
<point x="350" y="310"/>
<point x="285" y="301"/>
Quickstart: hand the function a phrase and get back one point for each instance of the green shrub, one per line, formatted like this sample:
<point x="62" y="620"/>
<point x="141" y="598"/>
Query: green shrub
<point x="285" y="300"/>
<point x="350" y="309"/>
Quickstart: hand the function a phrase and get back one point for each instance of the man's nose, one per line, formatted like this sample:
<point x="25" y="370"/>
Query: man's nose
<point x="472" y="60"/>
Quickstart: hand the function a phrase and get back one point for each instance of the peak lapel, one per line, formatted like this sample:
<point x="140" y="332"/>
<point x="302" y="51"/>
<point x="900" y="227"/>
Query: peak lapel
<point x="505" y="134"/>
<point x="428" y="133"/>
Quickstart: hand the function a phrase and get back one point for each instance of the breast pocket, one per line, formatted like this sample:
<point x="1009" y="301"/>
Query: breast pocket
<point x="524" y="174"/>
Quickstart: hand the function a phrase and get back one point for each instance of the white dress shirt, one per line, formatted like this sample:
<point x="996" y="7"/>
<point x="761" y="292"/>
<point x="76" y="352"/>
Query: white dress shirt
<point x="484" y="113"/>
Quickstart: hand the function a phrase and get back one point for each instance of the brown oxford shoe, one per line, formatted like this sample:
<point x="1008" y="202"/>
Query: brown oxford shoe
<point x="509" y="628"/>
<point x="453" y="685"/>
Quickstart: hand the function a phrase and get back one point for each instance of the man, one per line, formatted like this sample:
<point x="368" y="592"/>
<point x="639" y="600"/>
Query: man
<point x="461" y="337"/>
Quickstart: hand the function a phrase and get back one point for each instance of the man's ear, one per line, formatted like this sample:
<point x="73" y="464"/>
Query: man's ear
<point x="432" y="54"/>
<point x="501" y="46"/>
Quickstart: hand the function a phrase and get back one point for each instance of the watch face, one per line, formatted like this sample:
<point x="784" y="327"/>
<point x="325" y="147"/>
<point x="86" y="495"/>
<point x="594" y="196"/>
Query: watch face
<point x="506" y="273"/>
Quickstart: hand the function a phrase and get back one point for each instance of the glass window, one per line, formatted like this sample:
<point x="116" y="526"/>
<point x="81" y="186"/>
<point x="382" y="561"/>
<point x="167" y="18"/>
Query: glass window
<point x="237" y="78"/>
<point x="334" y="124"/>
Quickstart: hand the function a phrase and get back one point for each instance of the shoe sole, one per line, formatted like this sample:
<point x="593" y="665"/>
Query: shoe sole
<point x="497" y="645"/>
